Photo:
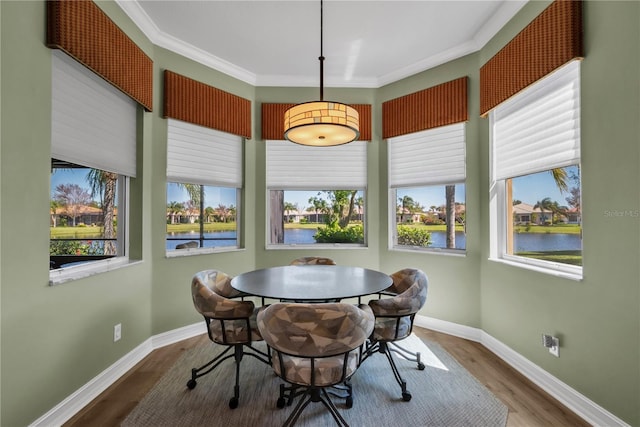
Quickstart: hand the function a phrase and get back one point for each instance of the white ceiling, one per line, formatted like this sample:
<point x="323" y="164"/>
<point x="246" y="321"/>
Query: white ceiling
<point x="277" y="43"/>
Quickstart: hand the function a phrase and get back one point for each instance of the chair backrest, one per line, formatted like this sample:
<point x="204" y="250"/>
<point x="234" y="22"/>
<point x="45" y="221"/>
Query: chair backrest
<point x="394" y="316"/>
<point x="315" y="330"/>
<point x="227" y="320"/>
<point x="410" y="286"/>
<point x="313" y="260"/>
<point x="315" y="345"/>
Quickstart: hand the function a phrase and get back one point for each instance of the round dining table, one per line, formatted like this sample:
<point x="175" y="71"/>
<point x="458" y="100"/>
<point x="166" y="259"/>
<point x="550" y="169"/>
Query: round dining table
<point x="311" y="282"/>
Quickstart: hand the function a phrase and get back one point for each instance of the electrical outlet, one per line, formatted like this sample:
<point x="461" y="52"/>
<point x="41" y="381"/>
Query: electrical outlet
<point x="552" y="343"/>
<point x="117" y="332"/>
<point x="555" y="347"/>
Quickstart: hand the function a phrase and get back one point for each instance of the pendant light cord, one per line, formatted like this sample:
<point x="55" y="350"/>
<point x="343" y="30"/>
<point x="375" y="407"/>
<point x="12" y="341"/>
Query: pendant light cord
<point x="321" y="58"/>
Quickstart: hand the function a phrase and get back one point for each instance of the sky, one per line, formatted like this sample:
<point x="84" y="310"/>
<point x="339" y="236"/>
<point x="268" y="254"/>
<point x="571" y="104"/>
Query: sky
<point x="529" y="189"/>
<point x="532" y="188"/>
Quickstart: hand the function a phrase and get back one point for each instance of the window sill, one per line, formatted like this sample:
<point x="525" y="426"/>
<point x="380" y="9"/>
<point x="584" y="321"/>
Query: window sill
<point x="68" y="274"/>
<point x="316" y="246"/>
<point x="431" y="251"/>
<point x="561" y="271"/>
<point x="179" y="253"/>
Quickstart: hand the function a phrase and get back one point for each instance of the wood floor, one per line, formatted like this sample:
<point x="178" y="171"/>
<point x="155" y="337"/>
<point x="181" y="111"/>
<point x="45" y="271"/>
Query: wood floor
<point x="528" y="405"/>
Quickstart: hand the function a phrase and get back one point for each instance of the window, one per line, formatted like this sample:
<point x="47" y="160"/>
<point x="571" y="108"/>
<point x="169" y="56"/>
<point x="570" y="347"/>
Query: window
<point x="535" y="204"/>
<point x="204" y="173"/>
<point x="201" y="216"/>
<point x="427" y="189"/>
<point x="316" y="195"/>
<point x="85" y="215"/>
<point x="93" y="155"/>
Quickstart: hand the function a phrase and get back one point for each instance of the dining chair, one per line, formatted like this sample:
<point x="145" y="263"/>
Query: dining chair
<point x="230" y="323"/>
<point x="394" y="318"/>
<point x="313" y="260"/>
<point x="315" y="347"/>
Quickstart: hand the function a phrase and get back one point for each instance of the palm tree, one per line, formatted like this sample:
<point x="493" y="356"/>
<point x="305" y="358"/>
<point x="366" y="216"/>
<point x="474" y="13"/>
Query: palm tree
<point x="54" y="205"/>
<point x="103" y="184"/>
<point x="319" y="205"/>
<point x="208" y="212"/>
<point x="450" y="210"/>
<point x="288" y="208"/>
<point x="560" y="176"/>
<point x="544" y="205"/>
<point x="174" y="209"/>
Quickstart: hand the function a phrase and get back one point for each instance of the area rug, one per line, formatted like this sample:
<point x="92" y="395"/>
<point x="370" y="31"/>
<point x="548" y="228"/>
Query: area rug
<point x="444" y="395"/>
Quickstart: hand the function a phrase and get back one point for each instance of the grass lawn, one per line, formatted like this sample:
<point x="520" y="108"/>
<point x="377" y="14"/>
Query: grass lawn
<point x="208" y="227"/>
<point x="549" y="229"/>
<point x="94" y="231"/>
<point x="436" y="227"/>
<point x="87" y="232"/>
<point x="564" y="257"/>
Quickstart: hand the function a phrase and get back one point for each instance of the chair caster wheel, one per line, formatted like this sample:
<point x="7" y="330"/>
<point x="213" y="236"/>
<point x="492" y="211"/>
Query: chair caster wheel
<point x="233" y="403"/>
<point x="191" y="384"/>
<point x="349" y="402"/>
<point x="421" y="366"/>
<point x="280" y="403"/>
<point x="406" y="396"/>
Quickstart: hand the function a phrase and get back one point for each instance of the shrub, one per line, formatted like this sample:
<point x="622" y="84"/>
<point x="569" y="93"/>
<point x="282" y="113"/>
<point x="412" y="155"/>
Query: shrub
<point x="335" y="234"/>
<point x="76" y="247"/>
<point x="410" y="236"/>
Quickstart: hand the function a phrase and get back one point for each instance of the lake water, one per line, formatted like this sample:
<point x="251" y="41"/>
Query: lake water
<point x="546" y="242"/>
<point x="302" y="236"/>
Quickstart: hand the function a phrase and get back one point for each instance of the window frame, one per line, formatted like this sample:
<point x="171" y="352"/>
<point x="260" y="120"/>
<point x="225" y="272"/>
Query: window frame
<point x="315" y="179"/>
<point x="175" y="253"/>
<point x="201" y="145"/>
<point x="420" y="183"/>
<point x="281" y="246"/>
<point x="498" y="209"/>
<point x="90" y="268"/>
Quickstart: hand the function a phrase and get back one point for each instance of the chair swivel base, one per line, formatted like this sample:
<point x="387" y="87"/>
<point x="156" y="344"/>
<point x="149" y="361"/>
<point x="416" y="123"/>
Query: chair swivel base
<point x="383" y="347"/>
<point x="406" y="354"/>
<point x="309" y="394"/>
<point x="212" y="364"/>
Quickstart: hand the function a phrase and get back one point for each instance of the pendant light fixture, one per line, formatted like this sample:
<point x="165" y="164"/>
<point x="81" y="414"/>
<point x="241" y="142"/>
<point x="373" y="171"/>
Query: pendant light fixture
<point x="321" y="123"/>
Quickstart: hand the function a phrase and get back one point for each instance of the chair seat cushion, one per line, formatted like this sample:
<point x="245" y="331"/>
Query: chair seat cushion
<point x="235" y="330"/>
<point x="385" y="328"/>
<point x="297" y="370"/>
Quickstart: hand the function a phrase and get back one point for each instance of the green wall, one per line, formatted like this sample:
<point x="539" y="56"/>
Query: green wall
<point x="597" y="318"/>
<point x="55" y="339"/>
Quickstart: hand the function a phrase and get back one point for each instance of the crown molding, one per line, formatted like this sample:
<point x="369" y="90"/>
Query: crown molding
<point x="137" y="14"/>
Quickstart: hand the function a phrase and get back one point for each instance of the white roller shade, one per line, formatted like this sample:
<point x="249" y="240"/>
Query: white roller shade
<point x="92" y="123"/>
<point x="297" y="167"/>
<point x="538" y="129"/>
<point x="200" y="155"/>
<point x="431" y="157"/>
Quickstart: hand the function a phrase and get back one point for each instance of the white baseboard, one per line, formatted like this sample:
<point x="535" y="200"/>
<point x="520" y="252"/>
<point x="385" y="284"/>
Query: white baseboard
<point x="578" y="403"/>
<point x="66" y="409"/>
<point x="63" y="411"/>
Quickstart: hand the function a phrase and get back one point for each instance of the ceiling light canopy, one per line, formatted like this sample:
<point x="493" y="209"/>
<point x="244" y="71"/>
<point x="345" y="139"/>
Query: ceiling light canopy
<point x="321" y="123"/>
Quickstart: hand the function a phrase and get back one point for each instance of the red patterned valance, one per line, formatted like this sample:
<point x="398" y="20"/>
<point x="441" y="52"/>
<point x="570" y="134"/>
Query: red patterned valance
<point x="82" y="30"/>
<point x="273" y="120"/>
<point x="195" y="102"/>
<point x="436" y="106"/>
<point x="551" y="40"/>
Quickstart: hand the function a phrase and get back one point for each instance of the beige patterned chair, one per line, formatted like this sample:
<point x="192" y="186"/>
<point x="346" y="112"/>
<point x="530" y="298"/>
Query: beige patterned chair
<point x="230" y="323"/>
<point x="315" y="347"/>
<point x="394" y="319"/>
<point x="313" y="260"/>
